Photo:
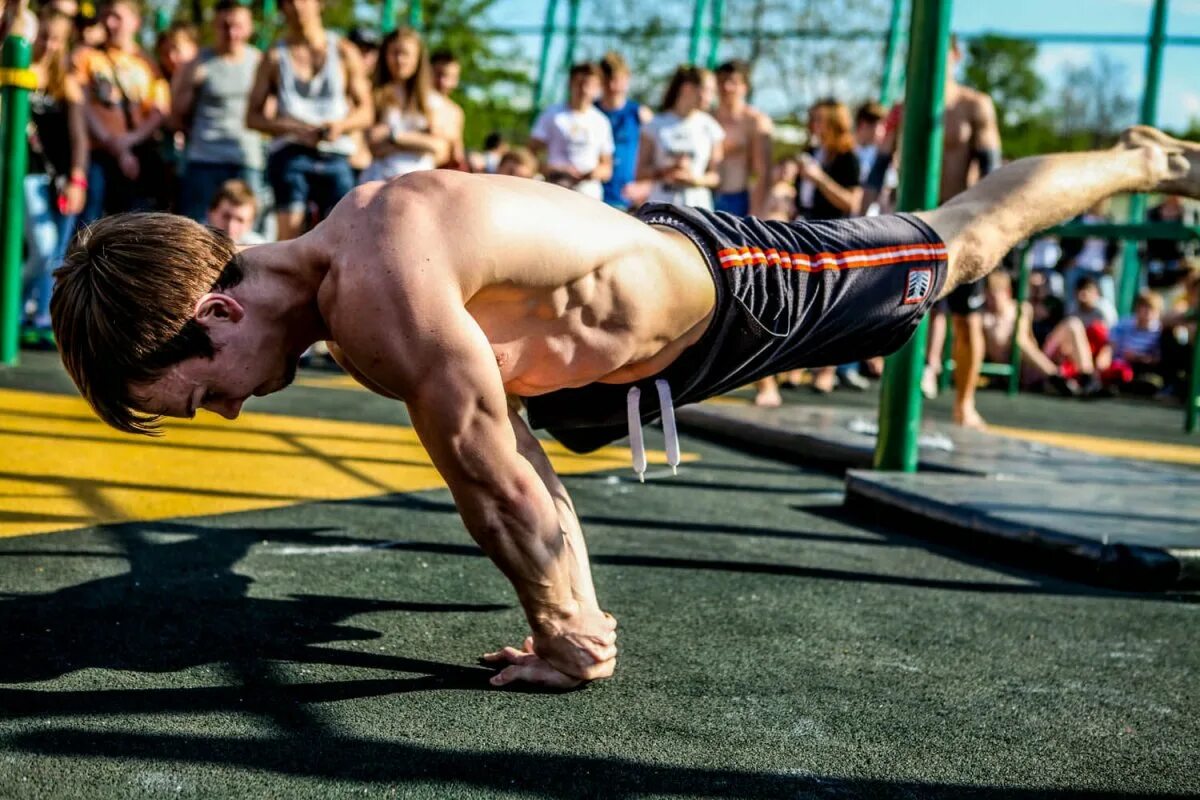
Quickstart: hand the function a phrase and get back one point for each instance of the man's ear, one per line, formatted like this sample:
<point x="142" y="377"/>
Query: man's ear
<point x="212" y="307"/>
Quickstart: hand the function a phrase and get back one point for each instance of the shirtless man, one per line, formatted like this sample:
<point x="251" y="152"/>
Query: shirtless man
<point x="748" y="134"/>
<point x="970" y="150"/>
<point x="466" y="296"/>
<point x="446" y="74"/>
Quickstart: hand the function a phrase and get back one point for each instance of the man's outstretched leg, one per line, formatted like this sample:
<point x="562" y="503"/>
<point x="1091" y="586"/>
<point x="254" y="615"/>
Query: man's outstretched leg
<point x="983" y="223"/>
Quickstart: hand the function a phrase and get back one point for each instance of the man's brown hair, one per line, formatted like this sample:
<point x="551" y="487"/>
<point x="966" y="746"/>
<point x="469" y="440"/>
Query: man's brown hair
<point x="123" y="302"/>
<point x="736" y="67"/>
<point x="235" y="192"/>
<point x="869" y="113"/>
<point x="585" y="68"/>
<point x="613" y="64"/>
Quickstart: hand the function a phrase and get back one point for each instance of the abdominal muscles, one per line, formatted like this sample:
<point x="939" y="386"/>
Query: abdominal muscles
<point x="564" y="337"/>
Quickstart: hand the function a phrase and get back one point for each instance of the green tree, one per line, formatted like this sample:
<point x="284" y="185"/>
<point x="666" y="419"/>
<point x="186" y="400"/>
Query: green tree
<point x="1004" y="69"/>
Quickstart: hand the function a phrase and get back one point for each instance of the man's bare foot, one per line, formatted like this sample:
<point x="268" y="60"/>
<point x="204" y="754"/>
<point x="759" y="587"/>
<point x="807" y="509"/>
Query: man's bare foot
<point x="969" y="418"/>
<point x="1182" y="170"/>
<point x="824" y="380"/>
<point x="768" y="396"/>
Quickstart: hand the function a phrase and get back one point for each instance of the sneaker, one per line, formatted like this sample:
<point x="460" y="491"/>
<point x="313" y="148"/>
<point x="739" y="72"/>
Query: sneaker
<point x="929" y="383"/>
<point x="853" y="379"/>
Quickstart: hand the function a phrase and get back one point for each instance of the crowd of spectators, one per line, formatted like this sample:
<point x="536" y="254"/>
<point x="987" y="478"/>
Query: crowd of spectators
<point x="263" y="143"/>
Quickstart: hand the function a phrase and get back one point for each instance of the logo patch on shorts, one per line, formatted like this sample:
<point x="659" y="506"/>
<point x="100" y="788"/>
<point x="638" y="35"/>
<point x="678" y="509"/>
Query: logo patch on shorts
<point x="916" y="289"/>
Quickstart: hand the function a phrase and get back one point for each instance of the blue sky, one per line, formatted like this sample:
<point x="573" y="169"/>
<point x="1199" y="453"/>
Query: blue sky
<point x="1179" y="100"/>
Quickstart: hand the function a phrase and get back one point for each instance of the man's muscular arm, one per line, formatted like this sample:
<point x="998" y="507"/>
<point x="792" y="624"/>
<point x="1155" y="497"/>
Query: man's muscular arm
<point x="439" y="361"/>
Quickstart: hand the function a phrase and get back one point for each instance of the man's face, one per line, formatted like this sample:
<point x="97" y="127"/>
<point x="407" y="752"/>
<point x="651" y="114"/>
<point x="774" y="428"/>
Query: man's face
<point x="445" y="77"/>
<point x="233" y="27"/>
<point x="869" y="133"/>
<point x="618" y="83"/>
<point x="732" y="86"/>
<point x="235" y="220"/>
<point x="1145" y="314"/>
<point x="251" y="360"/>
<point x="1087" y="297"/>
<point x="584" y="88"/>
<point x="302" y="13"/>
<point x="121" y="22"/>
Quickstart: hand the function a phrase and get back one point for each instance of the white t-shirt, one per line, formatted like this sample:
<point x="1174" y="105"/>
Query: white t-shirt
<point x="576" y="139"/>
<point x="403" y="162"/>
<point x="689" y="140"/>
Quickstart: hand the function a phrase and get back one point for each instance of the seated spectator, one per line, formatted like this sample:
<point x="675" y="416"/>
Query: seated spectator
<point x="1093" y="255"/>
<point x="519" y="162"/>
<point x="1164" y="257"/>
<point x="321" y="95"/>
<point x="125" y="103"/>
<point x="1090" y="307"/>
<point x="56" y="174"/>
<point x="209" y="97"/>
<point x="407" y="135"/>
<point x="1136" y="345"/>
<point x="446" y="74"/>
<point x="233" y="210"/>
<point x="576" y="137"/>
<point x="683" y="145"/>
<point x="494" y="148"/>
<point x="1055" y="352"/>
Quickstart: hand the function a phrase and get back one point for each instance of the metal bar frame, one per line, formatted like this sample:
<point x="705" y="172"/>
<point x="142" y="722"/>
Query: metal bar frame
<point x="920" y="176"/>
<point x="14" y="118"/>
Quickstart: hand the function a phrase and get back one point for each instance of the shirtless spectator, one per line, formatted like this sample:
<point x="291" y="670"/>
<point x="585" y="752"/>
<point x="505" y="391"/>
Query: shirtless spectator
<point x="626" y="118"/>
<point x="520" y="162"/>
<point x="1062" y="360"/>
<point x="970" y="151"/>
<point x="576" y="136"/>
<point x="125" y="104"/>
<point x="317" y="81"/>
<point x="209" y="98"/>
<point x="446" y="74"/>
<point x="746" y="168"/>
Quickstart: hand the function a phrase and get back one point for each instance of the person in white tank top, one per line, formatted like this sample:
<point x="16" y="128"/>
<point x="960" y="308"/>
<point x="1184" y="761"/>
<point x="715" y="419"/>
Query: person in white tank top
<point x="322" y="96"/>
<point x="408" y="133"/>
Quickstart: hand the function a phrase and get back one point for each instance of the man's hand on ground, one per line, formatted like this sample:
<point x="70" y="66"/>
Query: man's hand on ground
<point x="525" y="665"/>
<point x="562" y="659"/>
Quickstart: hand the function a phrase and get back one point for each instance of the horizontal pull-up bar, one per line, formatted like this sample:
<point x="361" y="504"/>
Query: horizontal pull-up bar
<point x="1118" y="230"/>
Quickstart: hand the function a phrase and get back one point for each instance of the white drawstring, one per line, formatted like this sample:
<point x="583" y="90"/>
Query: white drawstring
<point x="668" y="420"/>
<point x="633" y="408"/>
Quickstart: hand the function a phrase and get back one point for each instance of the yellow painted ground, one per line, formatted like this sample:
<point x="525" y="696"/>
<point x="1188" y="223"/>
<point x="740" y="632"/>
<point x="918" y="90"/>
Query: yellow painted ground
<point x="61" y="468"/>
<point x="1100" y="445"/>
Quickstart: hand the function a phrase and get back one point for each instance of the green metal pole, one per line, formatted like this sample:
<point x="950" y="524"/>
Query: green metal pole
<point x="387" y="17"/>
<point x="14" y="117"/>
<point x="572" y="31"/>
<point x="416" y="15"/>
<point x="266" y="33"/>
<point x="1131" y="265"/>
<point x="714" y="32"/>
<point x="162" y="19"/>
<point x="697" y="31"/>
<point x="920" y="179"/>
<point x="888" y="83"/>
<point x="539" y="88"/>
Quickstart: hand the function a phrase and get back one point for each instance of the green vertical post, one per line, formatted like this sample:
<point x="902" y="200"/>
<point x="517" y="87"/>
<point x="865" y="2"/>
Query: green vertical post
<point x="162" y="19"/>
<point x="1131" y="265"/>
<point x="14" y="118"/>
<point x="572" y="31"/>
<point x="416" y="15"/>
<point x="539" y="88"/>
<point x="387" y="17"/>
<point x="888" y="83"/>
<point x="714" y="32"/>
<point x="920" y="179"/>
<point x="697" y="31"/>
<point x="267" y="28"/>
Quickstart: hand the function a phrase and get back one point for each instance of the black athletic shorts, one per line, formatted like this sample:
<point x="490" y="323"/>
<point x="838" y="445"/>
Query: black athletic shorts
<point x="789" y="295"/>
<point x="967" y="298"/>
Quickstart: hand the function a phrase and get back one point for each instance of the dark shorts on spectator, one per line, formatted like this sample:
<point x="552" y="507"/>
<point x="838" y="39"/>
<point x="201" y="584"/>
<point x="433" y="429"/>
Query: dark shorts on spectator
<point x="301" y="175"/>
